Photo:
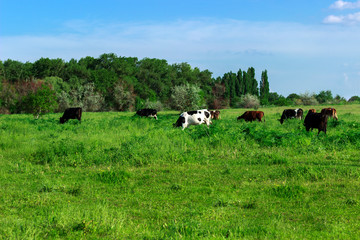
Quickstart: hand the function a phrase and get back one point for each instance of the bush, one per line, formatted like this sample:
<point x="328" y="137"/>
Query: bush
<point x="185" y="97"/>
<point x="124" y="99"/>
<point x="63" y="101"/>
<point x="8" y="98"/>
<point x="42" y="101"/>
<point x="87" y="98"/>
<point x="155" y="105"/>
<point x="307" y="99"/>
<point x="249" y="101"/>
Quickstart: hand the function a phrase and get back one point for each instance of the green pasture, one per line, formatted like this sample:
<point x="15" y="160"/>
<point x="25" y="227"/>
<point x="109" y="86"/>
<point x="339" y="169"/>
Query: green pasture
<point x="116" y="176"/>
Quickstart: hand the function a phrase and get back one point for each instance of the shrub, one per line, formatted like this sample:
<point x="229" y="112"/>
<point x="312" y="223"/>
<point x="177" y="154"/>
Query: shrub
<point x="41" y="101"/>
<point x="307" y="99"/>
<point x="8" y="98"/>
<point x="123" y="98"/>
<point x="185" y="97"/>
<point x="87" y="98"/>
<point x="249" y="101"/>
<point x="155" y="105"/>
<point x="63" y="101"/>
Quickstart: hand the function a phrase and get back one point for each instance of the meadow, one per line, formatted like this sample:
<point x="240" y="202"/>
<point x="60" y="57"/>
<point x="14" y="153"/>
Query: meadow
<point x="116" y="176"/>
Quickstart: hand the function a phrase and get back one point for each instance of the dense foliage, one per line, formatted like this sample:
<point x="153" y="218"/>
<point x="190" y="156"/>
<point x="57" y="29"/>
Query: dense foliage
<point x="113" y="83"/>
<point x="122" y="83"/>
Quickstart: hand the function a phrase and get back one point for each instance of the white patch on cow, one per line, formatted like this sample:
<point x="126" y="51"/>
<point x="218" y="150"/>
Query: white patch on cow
<point x="196" y="119"/>
<point x="154" y="116"/>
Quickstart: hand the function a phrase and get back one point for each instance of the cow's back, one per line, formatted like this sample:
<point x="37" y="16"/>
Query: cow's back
<point x="250" y="116"/>
<point x="316" y="120"/>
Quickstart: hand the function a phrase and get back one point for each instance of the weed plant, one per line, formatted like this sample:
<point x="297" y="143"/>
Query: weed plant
<point x="118" y="176"/>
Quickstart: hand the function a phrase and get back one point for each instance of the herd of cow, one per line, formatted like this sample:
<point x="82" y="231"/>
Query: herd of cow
<point x="197" y="117"/>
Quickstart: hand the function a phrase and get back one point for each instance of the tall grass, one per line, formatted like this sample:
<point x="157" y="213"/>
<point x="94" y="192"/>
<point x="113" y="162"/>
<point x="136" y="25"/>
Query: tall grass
<point x="118" y="176"/>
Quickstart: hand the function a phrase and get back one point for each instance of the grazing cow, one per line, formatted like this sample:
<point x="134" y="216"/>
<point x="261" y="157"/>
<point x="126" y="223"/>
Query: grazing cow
<point x="193" y="118"/>
<point x="215" y="114"/>
<point x="252" y="116"/>
<point x="147" y="112"/>
<point x="316" y="120"/>
<point x="331" y="112"/>
<point x="291" y="113"/>
<point x="71" y="113"/>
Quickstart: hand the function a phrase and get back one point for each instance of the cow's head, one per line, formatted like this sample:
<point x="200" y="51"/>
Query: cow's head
<point x="179" y="122"/>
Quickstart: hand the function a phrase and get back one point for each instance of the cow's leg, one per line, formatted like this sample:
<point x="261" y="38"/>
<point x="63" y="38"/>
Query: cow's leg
<point x="184" y="124"/>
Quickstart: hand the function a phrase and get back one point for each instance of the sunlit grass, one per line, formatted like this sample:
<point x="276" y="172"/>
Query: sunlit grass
<point x="118" y="176"/>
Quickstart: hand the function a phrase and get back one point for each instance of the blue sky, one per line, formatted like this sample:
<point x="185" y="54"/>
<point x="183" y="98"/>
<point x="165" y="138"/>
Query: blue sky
<point x="306" y="46"/>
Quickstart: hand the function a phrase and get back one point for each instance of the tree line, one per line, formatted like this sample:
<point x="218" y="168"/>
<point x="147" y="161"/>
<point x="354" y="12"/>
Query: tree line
<point x="115" y="83"/>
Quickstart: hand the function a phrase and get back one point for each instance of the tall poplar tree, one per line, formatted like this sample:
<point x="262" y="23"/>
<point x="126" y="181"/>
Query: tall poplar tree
<point x="240" y="83"/>
<point x="264" y="88"/>
<point x="251" y="83"/>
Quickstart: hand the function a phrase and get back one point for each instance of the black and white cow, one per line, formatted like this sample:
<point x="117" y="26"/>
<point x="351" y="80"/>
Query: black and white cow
<point x="71" y="113"/>
<point x="147" y="112"/>
<point x="196" y="117"/>
<point x="291" y="113"/>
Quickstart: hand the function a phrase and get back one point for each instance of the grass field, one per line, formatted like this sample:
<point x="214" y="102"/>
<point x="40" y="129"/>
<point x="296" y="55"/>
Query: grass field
<point x="115" y="176"/>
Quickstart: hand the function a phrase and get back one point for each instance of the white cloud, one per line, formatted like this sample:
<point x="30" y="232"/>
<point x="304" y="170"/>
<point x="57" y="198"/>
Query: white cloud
<point x="334" y="19"/>
<point x="351" y="19"/>
<point x="298" y="57"/>
<point x="341" y="5"/>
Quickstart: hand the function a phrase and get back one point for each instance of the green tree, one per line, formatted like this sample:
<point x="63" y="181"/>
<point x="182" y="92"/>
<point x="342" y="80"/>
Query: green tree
<point x="251" y="82"/>
<point x="264" y="88"/>
<point x="293" y="96"/>
<point x="240" y="84"/>
<point x="42" y="101"/>
<point x="153" y="79"/>
<point x="354" y="99"/>
<point x="14" y="71"/>
<point x="324" y="96"/>
<point x="45" y="67"/>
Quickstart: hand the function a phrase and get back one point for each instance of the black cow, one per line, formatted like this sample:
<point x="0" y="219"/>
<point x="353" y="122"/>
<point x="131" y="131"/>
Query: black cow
<point x="147" y="112"/>
<point x="71" y="113"/>
<point x="291" y="113"/>
<point x="316" y="120"/>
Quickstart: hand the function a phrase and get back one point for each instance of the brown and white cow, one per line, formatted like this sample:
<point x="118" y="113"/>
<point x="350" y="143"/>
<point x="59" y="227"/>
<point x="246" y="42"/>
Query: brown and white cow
<point x="331" y="112"/>
<point x="250" y="116"/>
<point x="215" y="114"/>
